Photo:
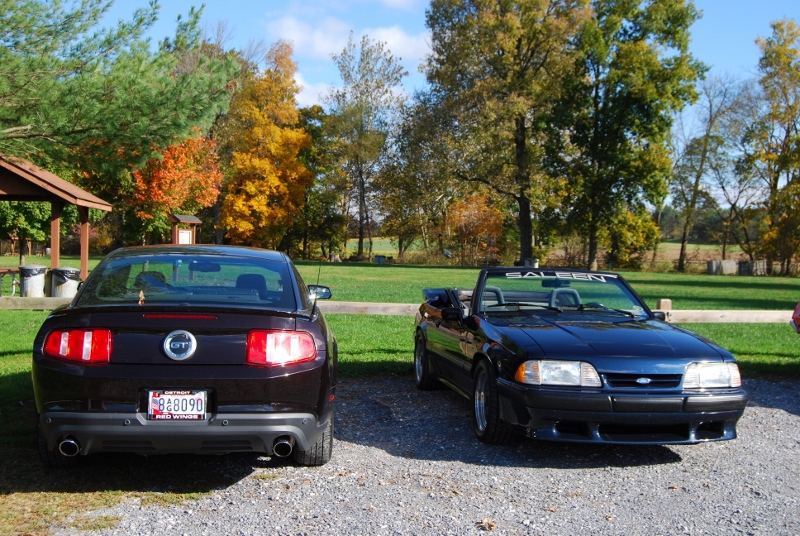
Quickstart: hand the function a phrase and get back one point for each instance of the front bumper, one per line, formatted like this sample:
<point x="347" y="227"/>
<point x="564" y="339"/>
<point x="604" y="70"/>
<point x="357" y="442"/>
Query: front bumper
<point x="219" y="434"/>
<point x="594" y="416"/>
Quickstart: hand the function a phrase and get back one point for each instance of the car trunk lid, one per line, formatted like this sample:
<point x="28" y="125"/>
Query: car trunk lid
<point x="196" y="338"/>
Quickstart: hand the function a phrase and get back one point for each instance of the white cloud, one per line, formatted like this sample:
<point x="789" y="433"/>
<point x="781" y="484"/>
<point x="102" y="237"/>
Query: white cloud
<point x="407" y="5"/>
<point x="317" y="36"/>
<point x="411" y="48"/>
<point x="318" y="41"/>
<point x="310" y="94"/>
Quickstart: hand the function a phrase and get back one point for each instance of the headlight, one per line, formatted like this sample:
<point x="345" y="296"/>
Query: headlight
<point x="709" y="375"/>
<point x="547" y="372"/>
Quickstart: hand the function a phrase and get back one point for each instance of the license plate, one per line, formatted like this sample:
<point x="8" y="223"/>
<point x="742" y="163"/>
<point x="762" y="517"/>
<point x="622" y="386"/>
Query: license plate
<point x="176" y="405"/>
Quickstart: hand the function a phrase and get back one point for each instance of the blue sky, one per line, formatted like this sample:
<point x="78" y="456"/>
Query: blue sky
<point x="724" y="38"/>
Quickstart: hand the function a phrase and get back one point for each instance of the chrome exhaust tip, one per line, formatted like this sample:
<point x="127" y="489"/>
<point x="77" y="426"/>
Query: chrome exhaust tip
<point x="69" y="447"/>
<point x="283" y="446"/>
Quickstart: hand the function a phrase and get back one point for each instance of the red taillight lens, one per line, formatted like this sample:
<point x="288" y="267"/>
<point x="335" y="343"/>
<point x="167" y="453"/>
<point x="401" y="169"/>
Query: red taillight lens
<point x="87" y="346"/>
<point x="278" y="348"/>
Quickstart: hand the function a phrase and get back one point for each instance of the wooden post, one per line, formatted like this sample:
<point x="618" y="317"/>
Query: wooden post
<point x="83" y="212"/>
<point x="56" y="207"/>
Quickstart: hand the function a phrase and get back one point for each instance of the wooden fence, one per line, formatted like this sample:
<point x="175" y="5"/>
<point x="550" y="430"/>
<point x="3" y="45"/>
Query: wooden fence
<point x="409" y="309"/>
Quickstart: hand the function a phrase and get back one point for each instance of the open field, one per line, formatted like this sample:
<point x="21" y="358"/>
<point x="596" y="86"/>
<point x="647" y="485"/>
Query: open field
<point x="403" y="284"/>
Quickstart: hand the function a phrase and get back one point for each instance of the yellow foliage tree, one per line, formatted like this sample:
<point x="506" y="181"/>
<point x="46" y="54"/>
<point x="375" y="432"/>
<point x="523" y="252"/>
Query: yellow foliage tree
<point x="268" y="184"/>
<point x="476" y="222"/>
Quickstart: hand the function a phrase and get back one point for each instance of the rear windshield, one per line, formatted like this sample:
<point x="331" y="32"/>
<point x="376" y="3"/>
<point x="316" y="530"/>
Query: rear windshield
<point x="189" y="280"/>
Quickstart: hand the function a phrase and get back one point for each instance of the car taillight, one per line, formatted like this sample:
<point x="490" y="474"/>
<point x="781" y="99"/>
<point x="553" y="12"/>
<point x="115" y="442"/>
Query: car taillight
<point x="88" y="346"/>
<point x="278" y="348"/>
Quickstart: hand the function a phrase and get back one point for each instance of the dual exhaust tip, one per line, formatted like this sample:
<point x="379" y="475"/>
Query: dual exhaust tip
<point x="281" y="447"/>
<point x="69" y="447"/>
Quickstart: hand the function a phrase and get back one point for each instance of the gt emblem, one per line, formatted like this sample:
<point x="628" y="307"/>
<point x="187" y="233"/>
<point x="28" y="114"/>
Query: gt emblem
<point x="180" y="345"/>
<point x="643" y="381"/>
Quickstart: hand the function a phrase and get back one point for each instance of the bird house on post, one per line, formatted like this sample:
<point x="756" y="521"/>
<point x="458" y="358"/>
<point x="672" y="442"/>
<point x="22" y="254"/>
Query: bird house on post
<point x="184" y="236"/>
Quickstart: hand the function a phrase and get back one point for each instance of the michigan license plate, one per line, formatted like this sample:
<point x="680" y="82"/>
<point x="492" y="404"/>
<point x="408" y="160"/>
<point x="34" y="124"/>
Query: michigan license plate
<point x="176" y="405"/>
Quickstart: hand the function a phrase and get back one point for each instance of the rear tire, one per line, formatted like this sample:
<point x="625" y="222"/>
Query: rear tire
<point x="423" y="377"/>
<point x="320" y="452"/>
<point x="53" y="459"/>
<point x="486" y="407"/>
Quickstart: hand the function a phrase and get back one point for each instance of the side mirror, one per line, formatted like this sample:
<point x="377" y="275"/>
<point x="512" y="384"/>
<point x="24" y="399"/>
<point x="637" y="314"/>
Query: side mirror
<point x="451" y="314"/>
<point x="319" y="292"/>
<point x="660" y="315"/>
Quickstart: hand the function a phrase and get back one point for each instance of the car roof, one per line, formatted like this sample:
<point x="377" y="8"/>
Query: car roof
<point x="199" y="249"/>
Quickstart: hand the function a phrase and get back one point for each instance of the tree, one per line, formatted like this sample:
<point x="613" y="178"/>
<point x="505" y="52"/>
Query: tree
<point x="629" y="235"/>
<point x="100" y="98"/>
<point x="634" y="72"/>
<point x="476" y="223"/>
<point x="185" y="179"/>
<point x="701" y="153"/>
<point x="773" y="139"/>
<point x="417" y="185"/>
<point x="24" y="221"/>
<point x="269" y="182"/>
<point x="320" y="220"/>
<point x="498" y="67"/>
<point x="363" y="111"/>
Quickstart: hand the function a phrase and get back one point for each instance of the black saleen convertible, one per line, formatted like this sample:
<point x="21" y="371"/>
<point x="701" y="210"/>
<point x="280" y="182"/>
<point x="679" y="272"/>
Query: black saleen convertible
<point x="187" y="349"/>
<point x="573" y="355"/>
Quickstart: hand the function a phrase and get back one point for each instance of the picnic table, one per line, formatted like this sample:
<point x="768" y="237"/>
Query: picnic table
<point x="12" y="271"/>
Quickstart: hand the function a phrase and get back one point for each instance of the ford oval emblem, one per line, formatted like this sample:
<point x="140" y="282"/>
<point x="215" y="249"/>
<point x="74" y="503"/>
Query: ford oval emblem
<point x="180" y="345"/>
<point x="643" y="381"/>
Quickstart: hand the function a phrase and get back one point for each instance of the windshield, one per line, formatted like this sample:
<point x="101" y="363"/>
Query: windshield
<point x="189" y="280"/>
<point x="557" y="291"/>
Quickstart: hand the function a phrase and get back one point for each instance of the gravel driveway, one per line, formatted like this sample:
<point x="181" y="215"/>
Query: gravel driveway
<point x="406" y="462"/>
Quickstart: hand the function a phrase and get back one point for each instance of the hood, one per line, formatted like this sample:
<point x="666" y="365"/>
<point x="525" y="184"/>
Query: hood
<point x="621" y="339"/>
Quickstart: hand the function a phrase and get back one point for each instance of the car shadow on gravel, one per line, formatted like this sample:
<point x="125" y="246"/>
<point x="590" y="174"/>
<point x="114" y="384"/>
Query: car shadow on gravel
<point x="392" y="415"/>
<point x="21" y="470"/>
<point x="774" y="394"/>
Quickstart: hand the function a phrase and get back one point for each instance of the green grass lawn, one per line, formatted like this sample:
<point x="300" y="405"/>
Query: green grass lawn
<point x="392" y="283"/>
<point x="396" y="283"/>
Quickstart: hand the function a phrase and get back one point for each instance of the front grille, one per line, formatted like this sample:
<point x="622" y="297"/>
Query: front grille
<point x="629" y="381"/>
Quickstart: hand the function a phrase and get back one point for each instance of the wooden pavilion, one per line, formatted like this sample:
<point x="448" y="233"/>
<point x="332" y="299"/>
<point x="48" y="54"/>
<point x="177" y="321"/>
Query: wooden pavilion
<point x="20" y="180"/>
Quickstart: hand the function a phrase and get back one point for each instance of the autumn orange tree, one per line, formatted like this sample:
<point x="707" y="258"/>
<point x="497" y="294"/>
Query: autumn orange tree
<point x="185" y="179"/>
<point x="476" y="223"/>
<point x="268" y="182"/>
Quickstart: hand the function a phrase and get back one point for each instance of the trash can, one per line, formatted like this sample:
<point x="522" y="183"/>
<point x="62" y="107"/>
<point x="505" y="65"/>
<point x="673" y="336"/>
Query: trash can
<point x="31" y="280"/>
<point x="65" y="282"/>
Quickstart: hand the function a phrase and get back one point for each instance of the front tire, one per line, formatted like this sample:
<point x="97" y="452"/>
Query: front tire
<point x="423" y="377"/>
<point x="486" y="407"/>
<point x="320" y="452"/>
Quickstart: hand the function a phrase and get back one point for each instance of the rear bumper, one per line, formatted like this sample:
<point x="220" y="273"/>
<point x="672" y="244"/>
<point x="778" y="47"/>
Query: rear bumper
<point x="220" y="434"/>
<point x="588" y="416"/>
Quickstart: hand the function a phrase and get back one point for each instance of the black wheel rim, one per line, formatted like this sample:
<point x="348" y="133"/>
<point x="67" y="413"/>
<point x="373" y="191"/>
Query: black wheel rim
<point x="418" y="350"/>
<point x="480" y="401"/>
